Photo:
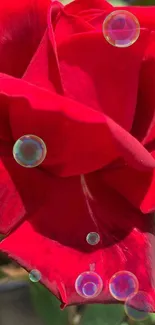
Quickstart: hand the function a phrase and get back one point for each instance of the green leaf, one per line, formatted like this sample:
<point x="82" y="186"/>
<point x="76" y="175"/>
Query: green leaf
<point x="47" y="306"/>
<point x="103" y="315"/>
<point x="146" y="321"/>
<point x="118" y="3"/>
<point x="65" y="2"/>
<point x="152" y="318"/>
<point x="143" y="3"/>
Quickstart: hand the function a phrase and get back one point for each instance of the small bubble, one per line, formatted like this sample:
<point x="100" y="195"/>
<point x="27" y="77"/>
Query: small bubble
<point x="121" y="28"/>
<point x="93" y="238"/>
<point x="122" y="284"/>
<point x="29" y="151"/>
<point x="138" y="306"/>
<point x="35" y="276"/>
<point x="88" y="285"/>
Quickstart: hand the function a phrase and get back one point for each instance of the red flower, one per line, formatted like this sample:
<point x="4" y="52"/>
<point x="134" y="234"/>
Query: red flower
<point x="93" y="105"/>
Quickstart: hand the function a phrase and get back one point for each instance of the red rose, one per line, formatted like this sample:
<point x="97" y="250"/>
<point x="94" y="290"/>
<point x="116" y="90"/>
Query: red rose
<point x="93" y="106"/>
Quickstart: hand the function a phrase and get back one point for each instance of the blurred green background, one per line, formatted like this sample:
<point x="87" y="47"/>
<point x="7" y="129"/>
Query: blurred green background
<point x="14" y="283"/>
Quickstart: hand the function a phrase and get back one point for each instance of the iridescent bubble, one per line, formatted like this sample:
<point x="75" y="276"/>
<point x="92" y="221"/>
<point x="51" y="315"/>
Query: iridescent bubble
<point x="35" y="276"/>
<point x="88" y="284"/>
<point x="29" y="151"/>
<point x="138" y="306"/>
<point x="89" y="289"/>
<point x="121" y="28"/>
<point x="93" y="238"/>
<point x="122" y="284"/>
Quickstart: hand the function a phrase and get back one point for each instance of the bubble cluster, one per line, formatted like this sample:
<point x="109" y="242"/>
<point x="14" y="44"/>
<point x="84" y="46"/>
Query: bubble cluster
<point x="122" y="284"/>
<point x="88" y="284"/>
<point x="29" y="151"/>
<point x="138" y="306"/>
<point x="93" y="238"/>
<point x="121" y="28"/>
<point x="35" y="276"/>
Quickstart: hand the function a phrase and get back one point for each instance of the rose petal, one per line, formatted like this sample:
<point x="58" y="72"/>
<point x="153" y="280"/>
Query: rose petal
<point x="79" y="140"/>
<point x="90" y="74"/>
<point x="144" y="128"/>
<point x="78" y="6"/>
<point x="43" y="69"/>
<point x="21" y="27"/>
<point x="12" y="209"/>
<point x="67" y="127"/>
<point x="137" y="187"/>
<point x="70" y="24"/>
<point x="19" y="195"/>
<point x="53" y="240"/>
<point x="145" y="15"/>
